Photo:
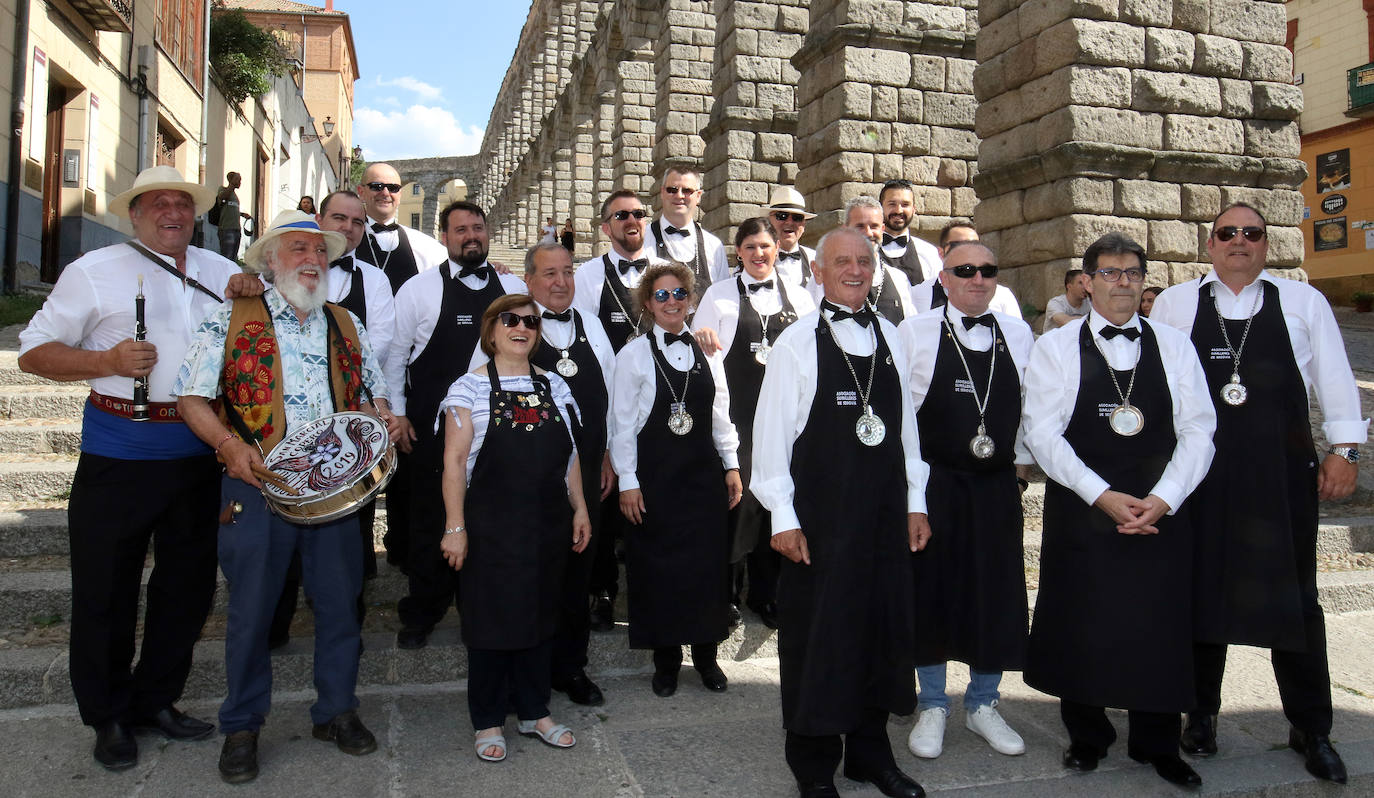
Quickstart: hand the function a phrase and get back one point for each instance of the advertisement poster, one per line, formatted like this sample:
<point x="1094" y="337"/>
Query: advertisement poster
<point x="1329" y="234"/>
<point x="1333" y="171"/>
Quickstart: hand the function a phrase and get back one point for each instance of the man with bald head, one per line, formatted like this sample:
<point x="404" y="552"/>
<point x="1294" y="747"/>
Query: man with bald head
<point x="400" y="251"/>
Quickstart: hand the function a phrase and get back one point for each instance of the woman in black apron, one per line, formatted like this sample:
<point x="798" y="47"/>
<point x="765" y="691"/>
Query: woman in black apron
<point x="745" y="315"/>
<point x="510" y="523"/>
<point x="674" y="449"/>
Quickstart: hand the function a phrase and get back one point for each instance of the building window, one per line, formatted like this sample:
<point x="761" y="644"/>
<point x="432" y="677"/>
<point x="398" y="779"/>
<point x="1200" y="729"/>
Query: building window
<point x="168" y="142"/>
<point x="415" y="220"/>
<point x="415" y="189"/>
<point x="180" y="34"/>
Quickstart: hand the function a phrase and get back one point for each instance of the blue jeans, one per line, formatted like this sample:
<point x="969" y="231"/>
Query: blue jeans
<point x="981" y="692"/>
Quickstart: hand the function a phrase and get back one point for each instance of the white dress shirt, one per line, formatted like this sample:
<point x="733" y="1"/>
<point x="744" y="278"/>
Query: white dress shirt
<point x="684" y="248"/>
<point x="92" y="308"/>
<point x="417" y="311"/>
<point x="791" y="269"/>
<point x="590" y="279"/>
<point x="921" y="336"/>
<point x="381" y="305"/>
<point x="636" y="387"/>
<point x="1003" y="300"/>
<point x="719" y="308"/>
<point x="1317" y="344"/>
<point x="789" y="387"/>
<point x="926" y="252"/>
<point x="1051" y="388"/>
<point x="428" y="252"/>
<point x="472" y="392"/>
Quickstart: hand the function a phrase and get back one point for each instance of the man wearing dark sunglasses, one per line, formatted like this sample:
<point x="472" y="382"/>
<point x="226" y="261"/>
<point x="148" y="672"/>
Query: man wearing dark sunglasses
<point x="676" y="235"/>
<point x="787" y="215"/>
<point x="400" y="251"/>
<point x="901" y="248"/>
<point x="1265" y="343"/>
<point x="931" y="293"/>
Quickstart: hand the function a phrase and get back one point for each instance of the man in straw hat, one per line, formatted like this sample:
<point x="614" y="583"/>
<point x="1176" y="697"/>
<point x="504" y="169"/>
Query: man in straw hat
<point x="291" y="359"/>
<point x="136" y="482"/>
<point x="787" y="214"/>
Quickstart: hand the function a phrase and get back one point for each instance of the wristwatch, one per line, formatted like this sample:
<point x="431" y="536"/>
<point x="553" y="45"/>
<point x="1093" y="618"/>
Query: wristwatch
<point x="1350" y="453"/>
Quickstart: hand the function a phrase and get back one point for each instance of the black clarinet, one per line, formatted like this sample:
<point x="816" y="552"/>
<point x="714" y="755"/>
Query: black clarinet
<point x="140" y="334"/>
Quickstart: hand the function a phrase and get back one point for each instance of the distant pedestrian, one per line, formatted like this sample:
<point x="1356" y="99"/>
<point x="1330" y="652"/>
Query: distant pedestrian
<point x="225" y="215"/>
<point x="306" y="205"/>
<point x="1147" y="300"/>
<point x="566" y="238"/>
<point x="548" y="234"/>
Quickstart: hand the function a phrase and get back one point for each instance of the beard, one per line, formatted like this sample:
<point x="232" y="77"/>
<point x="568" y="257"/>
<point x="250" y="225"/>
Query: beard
<point x="288" y="283"/>
<point x="471" y="257"/>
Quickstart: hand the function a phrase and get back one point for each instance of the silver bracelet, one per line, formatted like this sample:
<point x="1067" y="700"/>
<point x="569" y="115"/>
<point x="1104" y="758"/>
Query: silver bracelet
<point x="455" y="530"/>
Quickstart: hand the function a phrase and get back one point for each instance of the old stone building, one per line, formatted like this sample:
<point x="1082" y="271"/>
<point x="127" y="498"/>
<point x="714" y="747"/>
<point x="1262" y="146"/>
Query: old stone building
<point x="1048" y="122"/>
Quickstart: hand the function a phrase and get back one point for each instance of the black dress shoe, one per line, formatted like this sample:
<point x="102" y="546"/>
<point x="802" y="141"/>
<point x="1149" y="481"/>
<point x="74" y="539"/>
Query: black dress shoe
<point x="238" y="759"/>
<point x="580" y="690"/>
<point x="734" y="616"/>
<point x="1081" y="757"/>
<point x="410" y="638"/>
<point x="1172" y="769"/>
<point x="173" y="724"/>
<point x="115" y="747"/>
<point x="891" y="782"/>
<point x="768" y="613"/>
<point x="1199" y="736"/>
<point x="348" y="733"/>
<point x="817" y="789"/>
<point x="664" y="683"/>
<point x="712" y="677"/>
<point x="603" y="613"/>
<point x="1322" y="760"/>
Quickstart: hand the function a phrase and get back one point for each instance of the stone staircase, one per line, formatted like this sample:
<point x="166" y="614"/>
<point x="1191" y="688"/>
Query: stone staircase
<point x="39" y="439"/>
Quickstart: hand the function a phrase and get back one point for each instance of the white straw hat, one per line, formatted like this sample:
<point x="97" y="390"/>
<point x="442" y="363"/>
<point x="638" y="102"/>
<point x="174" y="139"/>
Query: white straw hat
<point x="292" y="221"/>
<point x="163" y="177"/>
<point x="786" y="198"/>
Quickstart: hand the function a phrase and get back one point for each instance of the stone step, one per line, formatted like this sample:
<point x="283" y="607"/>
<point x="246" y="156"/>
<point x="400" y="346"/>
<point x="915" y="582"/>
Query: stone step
<point x="30" y="532"/>
<point x="40" y="436"/>
<point x="36" y="477"/>
<point x="50" y="401"/>
<point x="10" y="374"/>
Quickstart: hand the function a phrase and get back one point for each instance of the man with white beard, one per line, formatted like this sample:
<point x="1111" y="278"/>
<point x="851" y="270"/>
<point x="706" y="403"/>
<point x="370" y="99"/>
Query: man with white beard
<point x="292" y="359"/>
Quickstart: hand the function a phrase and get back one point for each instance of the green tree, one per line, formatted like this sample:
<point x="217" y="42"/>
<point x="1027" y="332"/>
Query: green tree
<point x="245" y="57"/>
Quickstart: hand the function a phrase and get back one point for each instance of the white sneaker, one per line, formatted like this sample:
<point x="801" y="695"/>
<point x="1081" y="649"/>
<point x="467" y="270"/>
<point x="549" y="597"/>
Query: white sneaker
<point x="927" y="739"/>
<point x="987" y="723"/>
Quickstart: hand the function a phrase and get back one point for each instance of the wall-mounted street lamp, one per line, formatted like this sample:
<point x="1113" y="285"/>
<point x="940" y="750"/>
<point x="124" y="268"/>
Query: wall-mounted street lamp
<point x="306" y="138"/>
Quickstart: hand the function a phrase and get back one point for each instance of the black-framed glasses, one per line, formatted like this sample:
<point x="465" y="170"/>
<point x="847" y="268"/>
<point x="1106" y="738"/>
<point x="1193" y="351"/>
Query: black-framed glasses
<point x="622" y="215"/>
<point x="394" y="188"/>
<point x="1135" y="274"/>
<point x="967" y="270"/>
<point x="679" y="293"/>
<point x="1252" y="234"/>
<point x="783" y="216"/>
<point x="683" y="190"/>
<point x="510" y="319"/>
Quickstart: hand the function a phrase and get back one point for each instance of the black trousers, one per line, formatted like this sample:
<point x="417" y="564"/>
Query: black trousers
<point x="864" y="749"/>
<point x="1152" y="734"/>
<point x="668" y="659"/>
<point x="1303" y="676"/>
<point x="498" y="679"/>
<point x="117" y="507"/>
<point x="605" y="575"/>
<point x="574" y="624"/>
<point x="433" y="582"/>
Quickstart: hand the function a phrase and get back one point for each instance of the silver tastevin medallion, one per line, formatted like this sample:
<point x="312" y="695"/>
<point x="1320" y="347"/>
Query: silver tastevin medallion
<point x="761" y="354"/>
<point x="870" y="429"/>
<point x="981" y="445"/>
<point x="1234" y="393"/>
<point x="565" y="366"/>
<point x="679" y="420"/>
<point x="1126" y="420"/>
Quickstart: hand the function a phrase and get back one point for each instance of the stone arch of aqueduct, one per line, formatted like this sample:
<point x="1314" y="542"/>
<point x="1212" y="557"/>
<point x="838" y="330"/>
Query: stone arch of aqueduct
<point x="1048" y="122"/>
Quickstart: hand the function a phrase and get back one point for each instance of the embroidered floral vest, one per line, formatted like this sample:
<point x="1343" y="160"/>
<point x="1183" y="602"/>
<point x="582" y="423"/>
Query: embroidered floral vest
<point x="252" y="378"/>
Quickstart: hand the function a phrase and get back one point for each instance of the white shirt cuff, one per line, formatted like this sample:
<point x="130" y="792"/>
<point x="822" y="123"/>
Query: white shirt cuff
<point x="785" y="518"/>
<point x="916" y="501"/>
<point x="1171" y="493"/>
<point x="1346" y="431"/>
<point x="1090" y="487"/>
<point x="629" y="481"/>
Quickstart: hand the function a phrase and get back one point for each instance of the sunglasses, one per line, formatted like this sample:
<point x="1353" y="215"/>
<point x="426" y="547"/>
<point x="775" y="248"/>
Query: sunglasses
<point x="1229" y="232"/>
<point x="679" y="293"/>
<point x="511" y="319"/>
<point x="683" y="190"/>
<point x="394" y="188"/>
<point x="967" y="270"/>
<point x="622" y="215"/>
<point x="1135" y="274"/>
<point x="783" y="216"/>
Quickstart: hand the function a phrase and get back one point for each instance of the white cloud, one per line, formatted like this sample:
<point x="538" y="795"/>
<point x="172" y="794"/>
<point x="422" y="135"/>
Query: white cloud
<point x="415" y="85"/>
<point x="418" y="132"/>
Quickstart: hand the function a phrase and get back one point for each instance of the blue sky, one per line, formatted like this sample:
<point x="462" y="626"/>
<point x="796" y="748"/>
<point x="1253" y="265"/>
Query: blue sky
<point x="429" y="75"/>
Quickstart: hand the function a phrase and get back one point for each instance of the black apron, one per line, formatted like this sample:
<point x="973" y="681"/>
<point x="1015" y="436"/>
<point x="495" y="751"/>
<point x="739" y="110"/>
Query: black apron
<point x="519" y="521"/>
<point x="1113" y="621"/>
<point x="845" y="624"/>
<point x="909" y="264"/>
<point x="356" y="298"/>
<point x="399" y="264"/>
<point x="616" y="307"/>
<point x="675" y="562"/>
<point x="970" y="580"/>
<point x="888" y="302"/>
<point x="1258" y="503"/>
<point x="700" y="267"/>
<point x="744" y="376"/>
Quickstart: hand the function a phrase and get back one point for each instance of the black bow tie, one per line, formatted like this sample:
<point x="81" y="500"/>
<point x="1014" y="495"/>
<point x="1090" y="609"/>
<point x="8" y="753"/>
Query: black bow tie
<point x="684" y="336"/>
<point x="378" y="227"/>
<point x="973" y="321"/>
<point x="345" y="263"/>
<point x="625" y="265"/>
<point x="761" y="284"/>
<point x="837" y="313"/>
<point x="795" y="255"/>
<point x="900" y="241"/>
<point x="564" y="316"/>
<point x="1109" y="332"/>
<point x="484" y="271"/>
<point x="673" y="231"/>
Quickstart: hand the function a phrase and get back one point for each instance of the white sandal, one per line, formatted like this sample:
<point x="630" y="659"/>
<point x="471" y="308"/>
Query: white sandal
<point x="483" y="743"/>
<point x="553" y="736"/>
